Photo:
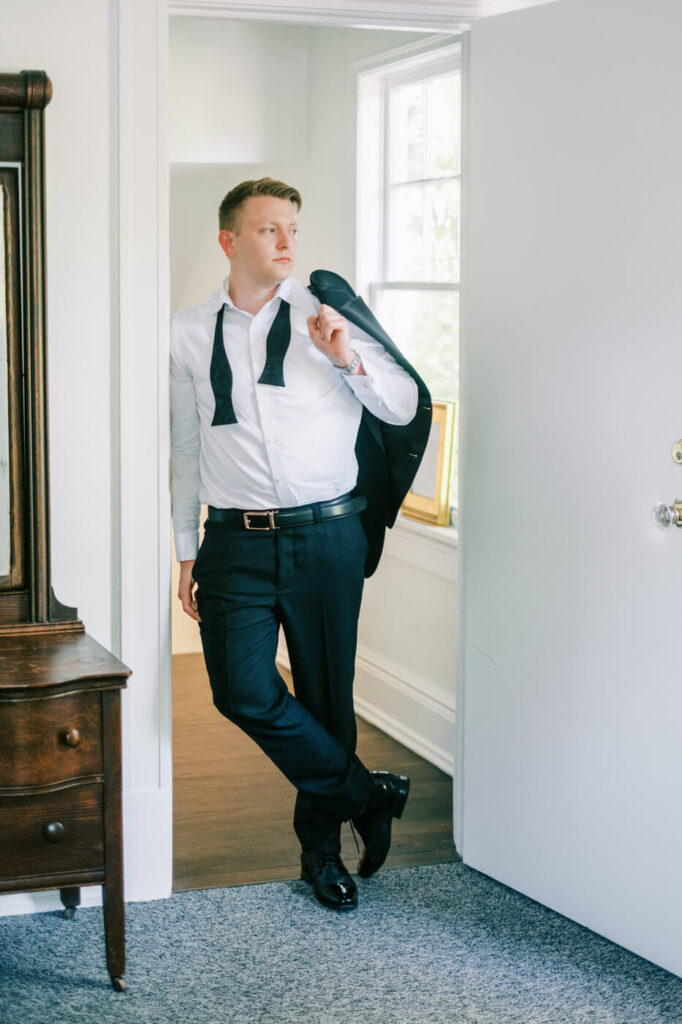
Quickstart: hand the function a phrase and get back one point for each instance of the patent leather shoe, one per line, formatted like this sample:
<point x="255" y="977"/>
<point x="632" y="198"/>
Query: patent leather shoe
<point x="374" y="822"/>
<point x="329" y="877"/>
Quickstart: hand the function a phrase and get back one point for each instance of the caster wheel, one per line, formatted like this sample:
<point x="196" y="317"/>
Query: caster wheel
<point x="68" y="913"/>
<point x="119" y="984"/>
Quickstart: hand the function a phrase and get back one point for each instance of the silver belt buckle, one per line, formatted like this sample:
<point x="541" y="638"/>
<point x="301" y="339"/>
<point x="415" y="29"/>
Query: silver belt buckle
<point x="270" y="513"/>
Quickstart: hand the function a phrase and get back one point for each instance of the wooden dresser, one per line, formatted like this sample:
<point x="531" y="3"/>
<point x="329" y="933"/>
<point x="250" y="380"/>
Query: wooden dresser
<point x="60" y="722"/>
<point x="60" y="774"/>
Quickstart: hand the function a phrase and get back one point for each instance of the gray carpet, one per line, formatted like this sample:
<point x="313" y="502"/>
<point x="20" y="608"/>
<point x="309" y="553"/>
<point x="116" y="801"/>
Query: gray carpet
<point x="430" y="945"/>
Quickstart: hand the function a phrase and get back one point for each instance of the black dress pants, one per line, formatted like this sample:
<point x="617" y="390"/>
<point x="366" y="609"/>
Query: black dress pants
<point x="309" y="580"/>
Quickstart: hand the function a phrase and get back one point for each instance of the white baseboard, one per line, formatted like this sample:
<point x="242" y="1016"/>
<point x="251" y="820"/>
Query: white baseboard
<point x="412" y="711"/>
<point x="148" y="857"/>
<point x="399" y="704"/>
<point x="148" y="844"/>
<point x="45" y="902"/>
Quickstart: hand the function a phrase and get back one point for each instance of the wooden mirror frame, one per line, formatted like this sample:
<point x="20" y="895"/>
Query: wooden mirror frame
<point x="27" y="602"/>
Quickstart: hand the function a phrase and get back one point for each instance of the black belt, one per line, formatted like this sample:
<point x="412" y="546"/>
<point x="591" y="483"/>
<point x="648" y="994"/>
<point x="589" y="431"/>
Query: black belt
<point x="299" y="515"/>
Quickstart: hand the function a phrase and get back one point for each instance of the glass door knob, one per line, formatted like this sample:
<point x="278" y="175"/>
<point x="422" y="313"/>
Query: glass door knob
<point x="667" y="515"/>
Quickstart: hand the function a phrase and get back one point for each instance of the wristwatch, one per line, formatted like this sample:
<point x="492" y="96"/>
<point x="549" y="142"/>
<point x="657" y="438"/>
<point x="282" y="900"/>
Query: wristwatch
<point x="353" y="364"/>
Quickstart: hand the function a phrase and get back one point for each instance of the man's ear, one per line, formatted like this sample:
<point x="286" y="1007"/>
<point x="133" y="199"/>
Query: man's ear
<point x="226" y="242"/>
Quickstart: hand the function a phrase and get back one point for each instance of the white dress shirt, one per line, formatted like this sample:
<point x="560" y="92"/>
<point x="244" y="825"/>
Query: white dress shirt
<point x="291" y="445"/>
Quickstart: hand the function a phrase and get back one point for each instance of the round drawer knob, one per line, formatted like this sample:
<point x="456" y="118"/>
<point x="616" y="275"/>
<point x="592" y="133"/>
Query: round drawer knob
<point x="54" y="832"/>
<point x="73" y="738"/>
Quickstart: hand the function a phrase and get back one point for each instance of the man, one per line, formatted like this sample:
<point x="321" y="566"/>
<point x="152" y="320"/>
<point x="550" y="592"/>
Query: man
<point x="268" y="388"/>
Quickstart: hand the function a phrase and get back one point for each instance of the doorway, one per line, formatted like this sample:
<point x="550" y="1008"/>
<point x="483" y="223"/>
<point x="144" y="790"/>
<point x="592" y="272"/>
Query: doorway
<point x="232" y="810"/>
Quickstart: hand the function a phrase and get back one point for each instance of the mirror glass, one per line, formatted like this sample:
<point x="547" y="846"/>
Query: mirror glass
<point x="4" y="399"/>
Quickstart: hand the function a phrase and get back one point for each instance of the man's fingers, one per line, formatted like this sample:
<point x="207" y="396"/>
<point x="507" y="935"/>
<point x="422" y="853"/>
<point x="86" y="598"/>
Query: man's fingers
<point x="325" y="323"/>
<point x="314" y="327"/>
<point x="191" y="610"/>
<point x="187" y="600"/>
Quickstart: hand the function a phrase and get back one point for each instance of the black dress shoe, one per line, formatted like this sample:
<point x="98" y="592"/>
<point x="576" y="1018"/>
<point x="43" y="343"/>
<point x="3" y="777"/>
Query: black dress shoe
<point x="374" y="823"/>
<point x="329" y="877"/>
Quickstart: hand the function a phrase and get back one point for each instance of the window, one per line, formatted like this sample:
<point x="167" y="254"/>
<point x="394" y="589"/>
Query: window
<point x="409" y="208"/>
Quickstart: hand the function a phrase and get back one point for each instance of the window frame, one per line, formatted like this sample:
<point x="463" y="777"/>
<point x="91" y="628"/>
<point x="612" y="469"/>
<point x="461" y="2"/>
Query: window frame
<point x="420" y="71"/>
<point x="373" y="187"/>
<point x="373" y="147"/>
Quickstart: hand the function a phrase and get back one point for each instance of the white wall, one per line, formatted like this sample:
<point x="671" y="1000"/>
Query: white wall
<point x="405" y="676"/>
<point x="570" y="753"/>
<point x="238" y="91"/>
<point x="321" y="164"/>
<point x="81" y="300"/>
<point x="105" y="242"/>
<point x="407" y="643"/>
<point x="81" y="294"/>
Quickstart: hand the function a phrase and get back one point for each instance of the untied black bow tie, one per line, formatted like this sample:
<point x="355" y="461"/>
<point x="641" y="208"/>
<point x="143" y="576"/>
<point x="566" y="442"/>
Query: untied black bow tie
<point x="277" y="344"/>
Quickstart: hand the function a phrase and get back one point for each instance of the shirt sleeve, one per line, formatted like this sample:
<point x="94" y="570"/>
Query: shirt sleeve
<point x="185" y="478"/>
<point x="386" y="389"/>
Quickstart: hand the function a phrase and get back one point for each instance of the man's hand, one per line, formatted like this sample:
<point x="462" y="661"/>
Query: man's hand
<point x="329" y="332"/>
<point x="186" y="590"/>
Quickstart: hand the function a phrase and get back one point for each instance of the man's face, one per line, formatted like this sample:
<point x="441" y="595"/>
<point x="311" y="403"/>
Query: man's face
<point x="262" y="248"/>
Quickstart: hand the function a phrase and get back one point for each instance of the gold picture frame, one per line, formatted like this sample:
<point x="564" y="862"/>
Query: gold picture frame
<point x="428" y="499"/>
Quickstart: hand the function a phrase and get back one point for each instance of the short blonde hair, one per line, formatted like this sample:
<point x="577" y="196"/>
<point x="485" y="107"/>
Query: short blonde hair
<point x="228" y="212"/>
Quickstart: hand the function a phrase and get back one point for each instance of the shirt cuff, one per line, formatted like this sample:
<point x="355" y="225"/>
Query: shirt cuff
<point x="361" y="384"/>
<point x="186" y="546"/>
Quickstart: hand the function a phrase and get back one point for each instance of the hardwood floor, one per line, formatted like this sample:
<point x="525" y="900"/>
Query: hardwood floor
<point x="232" y="810"/>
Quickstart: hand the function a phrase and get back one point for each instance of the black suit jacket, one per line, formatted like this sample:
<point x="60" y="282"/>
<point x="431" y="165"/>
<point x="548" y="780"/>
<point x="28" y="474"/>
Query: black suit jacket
<point x="388" y="456"/>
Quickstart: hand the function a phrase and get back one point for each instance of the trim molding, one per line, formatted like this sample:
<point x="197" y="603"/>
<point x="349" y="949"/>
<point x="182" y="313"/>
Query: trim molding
<point x="45" y="902"/>
<point x="148" y="826"/>
<point x="390" y="696"/>
<point x="432" y="14"/>
<point x="429" y="14"/>
<point x="410" y="684"/>
<point x="436" y="755"/>
<point x="443" y="44"/>
<point x="141" y="212"/>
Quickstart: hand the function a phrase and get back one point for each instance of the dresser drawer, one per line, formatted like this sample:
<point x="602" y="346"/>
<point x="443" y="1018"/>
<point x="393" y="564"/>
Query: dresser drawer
<point x="50" y="739"/>
<point x="52" y="833"/>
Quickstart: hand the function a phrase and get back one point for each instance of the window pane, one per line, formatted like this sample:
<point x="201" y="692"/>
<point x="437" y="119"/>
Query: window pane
<point x="406" y="234"/>
<point x="443" y="248"/>
<point x="425" y="327"/>
<point x="423" y="232"/>
<point x="443" y="106"/>
<point x="406" y="132"/>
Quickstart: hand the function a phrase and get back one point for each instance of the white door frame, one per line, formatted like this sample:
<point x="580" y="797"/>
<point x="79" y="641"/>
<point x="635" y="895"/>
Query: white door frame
<point x="429" y="15"/>
<point x="149" y="754"/>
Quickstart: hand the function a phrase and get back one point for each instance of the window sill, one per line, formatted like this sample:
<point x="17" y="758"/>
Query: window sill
<point x="447" y="535"/>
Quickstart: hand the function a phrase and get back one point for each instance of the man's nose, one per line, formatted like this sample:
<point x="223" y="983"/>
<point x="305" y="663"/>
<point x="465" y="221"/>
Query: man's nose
<point x="284" y="240"/>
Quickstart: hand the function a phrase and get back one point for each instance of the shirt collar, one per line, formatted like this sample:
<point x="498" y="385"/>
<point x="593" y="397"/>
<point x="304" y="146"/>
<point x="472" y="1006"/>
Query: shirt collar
<point x="220" y="298"/>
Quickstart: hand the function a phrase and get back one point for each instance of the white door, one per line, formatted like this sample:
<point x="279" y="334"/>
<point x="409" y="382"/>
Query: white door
<point x="570" y="708"/>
